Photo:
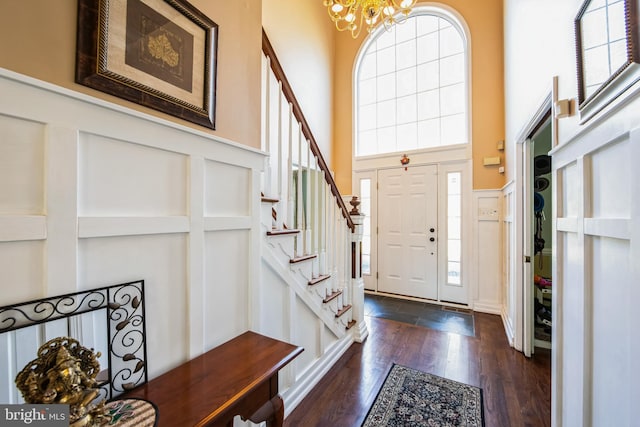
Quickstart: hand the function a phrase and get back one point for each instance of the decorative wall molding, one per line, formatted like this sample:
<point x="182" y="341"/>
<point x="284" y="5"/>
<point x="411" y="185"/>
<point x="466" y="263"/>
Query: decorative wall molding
<point x="487" y="251"/>
<point x="111" y="194"/>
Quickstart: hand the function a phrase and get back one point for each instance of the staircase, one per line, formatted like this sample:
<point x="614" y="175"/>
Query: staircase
<point x="311" y="292"/>
<point x="325" y="295"/>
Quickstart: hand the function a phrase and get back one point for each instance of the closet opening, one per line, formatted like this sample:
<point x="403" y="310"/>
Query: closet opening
<point x="540" y="211"/>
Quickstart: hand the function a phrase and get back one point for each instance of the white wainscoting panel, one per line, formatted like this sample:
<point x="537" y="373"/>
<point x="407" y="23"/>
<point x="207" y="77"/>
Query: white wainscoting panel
<point x="22" y="153"/>
<point x="573" y="315"/>
<point x="595" y="371"/>
<point x="305" y="337"/>
<point x="94" y="194"/>
<point x="487" y="253"/>
<point x="614" y="314"/>
<point x="275" y="293"/>
<point x="610" y="180"/>
<point x="227" y="190"/>
<point x="162" y="261"/>
<point x="226" y="290"/>
<point x="23" y="270"/>
<point x="118" y="178"/>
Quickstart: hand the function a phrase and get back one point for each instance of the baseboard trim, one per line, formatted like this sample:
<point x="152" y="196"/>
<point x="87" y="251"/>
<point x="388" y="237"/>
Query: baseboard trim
<point x="487" y="307"/>
<point x="360" y="332"/>
<point x="310" y="378"/>
<point x="508" y="328"/>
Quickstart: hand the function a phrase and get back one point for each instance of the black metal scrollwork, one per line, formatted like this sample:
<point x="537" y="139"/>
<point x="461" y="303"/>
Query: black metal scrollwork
<point x="124" y="308"/>
<point x="47" y="309"/>
<point x="127" y="335"/>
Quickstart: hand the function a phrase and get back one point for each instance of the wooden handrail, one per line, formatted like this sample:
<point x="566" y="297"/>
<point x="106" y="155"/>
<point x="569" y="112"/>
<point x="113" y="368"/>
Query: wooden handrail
<point x="267" y="49"/>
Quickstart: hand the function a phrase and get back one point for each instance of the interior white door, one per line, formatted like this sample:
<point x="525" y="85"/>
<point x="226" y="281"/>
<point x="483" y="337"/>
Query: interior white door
<point x="527" y="248"/>
<point x="408" y="232"/>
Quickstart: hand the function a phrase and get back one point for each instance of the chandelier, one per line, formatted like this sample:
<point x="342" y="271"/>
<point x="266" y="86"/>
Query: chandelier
<point x="352" y="15"/>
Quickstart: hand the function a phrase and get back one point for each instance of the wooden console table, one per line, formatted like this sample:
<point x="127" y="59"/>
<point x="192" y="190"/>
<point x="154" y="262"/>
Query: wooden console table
<point x="240" y="377"/>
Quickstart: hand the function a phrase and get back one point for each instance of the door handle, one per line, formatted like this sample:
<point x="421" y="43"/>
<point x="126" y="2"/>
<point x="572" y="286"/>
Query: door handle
<point x="432" y="229"/>
<point x="432" y="239"/>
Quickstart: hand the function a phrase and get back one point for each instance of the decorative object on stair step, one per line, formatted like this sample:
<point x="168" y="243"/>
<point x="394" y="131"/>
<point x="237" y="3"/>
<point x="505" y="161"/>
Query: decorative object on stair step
<point x="405" y="161"/>
<point x="353" y="15"/>
<point x="65" y="373"/>
<point x="410" y="397"/>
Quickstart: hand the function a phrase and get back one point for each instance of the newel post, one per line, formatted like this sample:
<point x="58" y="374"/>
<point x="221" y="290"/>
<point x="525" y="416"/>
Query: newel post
<point x="357" y="283"/>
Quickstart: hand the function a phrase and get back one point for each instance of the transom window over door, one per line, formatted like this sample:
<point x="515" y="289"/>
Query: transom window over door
<point x="412" y="86"/>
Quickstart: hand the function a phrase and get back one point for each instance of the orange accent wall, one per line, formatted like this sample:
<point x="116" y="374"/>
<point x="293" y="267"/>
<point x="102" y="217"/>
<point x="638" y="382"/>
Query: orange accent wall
<point x="485" y="23"/>
<point x="38" y="39"/>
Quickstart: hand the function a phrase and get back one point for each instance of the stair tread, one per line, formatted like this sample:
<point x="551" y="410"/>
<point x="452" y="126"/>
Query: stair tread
<point x="270" y="199"/>
<point x="350" y="324"/>
<point x="343" y="310"/>
<point x="332" y="296"/>
<point x="318" y="279"/>
<point x="282" y="232"/>
<point x="302" y="258"/>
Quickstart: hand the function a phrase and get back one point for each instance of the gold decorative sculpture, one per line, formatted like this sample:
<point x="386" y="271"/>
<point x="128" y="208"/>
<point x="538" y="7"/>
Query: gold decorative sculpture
<point x="65" y="373"/>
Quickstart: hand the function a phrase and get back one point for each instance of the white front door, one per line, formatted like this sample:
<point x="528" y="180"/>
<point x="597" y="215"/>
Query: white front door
<point x="408" y="231"/>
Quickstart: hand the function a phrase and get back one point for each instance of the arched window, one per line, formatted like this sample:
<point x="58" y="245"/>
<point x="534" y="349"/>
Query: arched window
<point x="412" y="85"/>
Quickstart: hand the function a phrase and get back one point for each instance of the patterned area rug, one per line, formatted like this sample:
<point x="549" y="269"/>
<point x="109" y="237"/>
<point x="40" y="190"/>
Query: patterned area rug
<point x="413" y="398"/>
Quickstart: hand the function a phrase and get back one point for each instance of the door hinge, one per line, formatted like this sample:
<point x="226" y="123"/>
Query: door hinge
<point x="527" y="258"/>
<point x="376" y="274"/>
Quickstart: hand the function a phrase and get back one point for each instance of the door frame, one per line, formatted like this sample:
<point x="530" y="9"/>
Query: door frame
<point x="524" y="292"/>
<point x="370" y="280"/>
<point x="466" y="230"/>
<point x="465" y="166"/>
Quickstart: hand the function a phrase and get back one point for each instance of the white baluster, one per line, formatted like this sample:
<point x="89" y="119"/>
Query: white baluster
<point x="307" y="215"/>
<point x="334" y="249"/>
<point x="316" y="217"/>
<point x="290" y="197"/>
<point x="330" y="239"/>
<point x="325" y="226"/>
<point x="341" y="248"/>
<point x="279" y="210"/>
<point x="299" y="247"/>
<point x="267" y="128"/>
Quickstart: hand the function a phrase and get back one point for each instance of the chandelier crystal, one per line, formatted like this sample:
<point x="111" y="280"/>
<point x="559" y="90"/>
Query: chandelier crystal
<point x="353" y="15"/>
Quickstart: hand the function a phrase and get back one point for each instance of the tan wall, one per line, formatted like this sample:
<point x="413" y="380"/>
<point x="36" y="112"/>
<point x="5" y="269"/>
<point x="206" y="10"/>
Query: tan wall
<point x="38" y="39"/>
<point x="485" y="25"/>
<point x="303" y="37"/>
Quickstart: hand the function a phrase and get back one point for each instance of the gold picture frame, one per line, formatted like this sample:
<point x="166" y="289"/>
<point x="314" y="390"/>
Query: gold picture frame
<point x="607" y="52"/>
<point x="156" y="53"/>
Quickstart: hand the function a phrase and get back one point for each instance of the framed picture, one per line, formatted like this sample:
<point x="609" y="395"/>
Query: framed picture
<point x="157" y="53"/>
<point x="607" y="51"/>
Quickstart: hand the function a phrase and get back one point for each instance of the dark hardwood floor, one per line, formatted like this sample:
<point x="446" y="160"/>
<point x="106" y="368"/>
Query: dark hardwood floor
<point x="516" y="390"/>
